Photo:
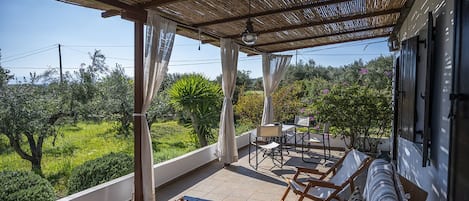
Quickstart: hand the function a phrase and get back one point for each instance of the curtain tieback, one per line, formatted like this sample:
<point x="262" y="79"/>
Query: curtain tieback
<point x="138" y="115"/>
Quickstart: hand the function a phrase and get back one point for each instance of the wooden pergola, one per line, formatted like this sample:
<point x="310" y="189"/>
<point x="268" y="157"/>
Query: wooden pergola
<point x="281" y="25"/>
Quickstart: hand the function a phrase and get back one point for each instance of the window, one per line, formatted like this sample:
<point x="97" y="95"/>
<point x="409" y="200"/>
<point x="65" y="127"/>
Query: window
<point x="414" y="76"/>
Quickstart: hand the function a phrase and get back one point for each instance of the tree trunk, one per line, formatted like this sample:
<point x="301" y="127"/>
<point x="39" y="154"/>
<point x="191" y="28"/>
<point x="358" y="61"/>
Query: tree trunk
<point x="35" y="157"/>
<point x="352" y="141"/>
<point x="36" y="166"/>
<point x="200" y="136"/>
<point x="203" y="142"/>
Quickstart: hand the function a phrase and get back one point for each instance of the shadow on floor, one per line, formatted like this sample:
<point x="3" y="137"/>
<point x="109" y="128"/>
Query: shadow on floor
<point x="190" y="179"/>
<point x="254" y="174"/>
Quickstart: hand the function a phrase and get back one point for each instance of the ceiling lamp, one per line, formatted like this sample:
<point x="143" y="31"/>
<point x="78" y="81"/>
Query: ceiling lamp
<point x="249" y="37"/>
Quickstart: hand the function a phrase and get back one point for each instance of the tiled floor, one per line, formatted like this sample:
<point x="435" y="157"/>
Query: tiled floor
<point x="240" y="181"/>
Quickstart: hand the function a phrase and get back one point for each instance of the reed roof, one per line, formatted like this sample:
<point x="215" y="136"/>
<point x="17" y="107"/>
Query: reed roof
<point x="281" y="24"/>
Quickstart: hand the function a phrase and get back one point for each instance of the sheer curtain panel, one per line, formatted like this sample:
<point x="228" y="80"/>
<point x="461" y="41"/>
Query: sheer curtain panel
<point x="227" y="151"/>
<point x="273" y="69"/>
<point x="158" y="47"/>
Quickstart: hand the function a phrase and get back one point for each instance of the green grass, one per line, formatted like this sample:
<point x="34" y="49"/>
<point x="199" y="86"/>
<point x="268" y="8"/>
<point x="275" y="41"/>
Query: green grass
<point x="88" y="140"/>
<point x="77" y="144"/>
<point x="170" y="140"/>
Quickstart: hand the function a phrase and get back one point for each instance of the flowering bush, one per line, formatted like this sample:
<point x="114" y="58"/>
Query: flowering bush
<point x="357" y="112"/>
<point x="311" y="114"/>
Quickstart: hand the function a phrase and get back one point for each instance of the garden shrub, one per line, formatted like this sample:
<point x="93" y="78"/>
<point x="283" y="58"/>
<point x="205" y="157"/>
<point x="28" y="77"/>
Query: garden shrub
<point x="287" y="102"/>
<point x="16" y="186"/>
<point x="98" y="171"/>
<point x="356" y="112"/>
<point x="249" y="108"/>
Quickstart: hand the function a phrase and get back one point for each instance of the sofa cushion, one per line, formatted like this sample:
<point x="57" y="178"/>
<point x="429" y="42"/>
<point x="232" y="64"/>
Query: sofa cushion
<point x="352" y="162"/>
<point x="356" y="195"/>
<point x="380" y="184"/>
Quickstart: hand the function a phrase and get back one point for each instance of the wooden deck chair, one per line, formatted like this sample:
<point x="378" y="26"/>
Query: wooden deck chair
<point x="343" y="174"/>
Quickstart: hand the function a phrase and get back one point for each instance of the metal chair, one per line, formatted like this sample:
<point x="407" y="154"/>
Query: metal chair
<point x="326" y="136"/>
<point x="313" y="140"/>
<point x="267" y="140"/>
<point x="300" y="122"/>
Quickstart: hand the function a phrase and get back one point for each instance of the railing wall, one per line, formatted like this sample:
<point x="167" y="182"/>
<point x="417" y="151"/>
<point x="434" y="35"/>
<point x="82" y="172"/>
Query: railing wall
<point x="121" y="189"/>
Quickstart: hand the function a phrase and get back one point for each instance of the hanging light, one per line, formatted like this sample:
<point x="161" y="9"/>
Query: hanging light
<point x="249" y="37"/>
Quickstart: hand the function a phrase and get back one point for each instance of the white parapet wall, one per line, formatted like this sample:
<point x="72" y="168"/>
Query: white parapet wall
<point x="338" y="142"/>
<point x="121" y="189"/>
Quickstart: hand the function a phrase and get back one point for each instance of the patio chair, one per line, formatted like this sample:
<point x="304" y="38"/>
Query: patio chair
<point x="300" y="122"/>
<point x="326" y="137"/>
<point x="268" y="142"/>
<point x="343" y="174"/>
<point x="314" y="140"/>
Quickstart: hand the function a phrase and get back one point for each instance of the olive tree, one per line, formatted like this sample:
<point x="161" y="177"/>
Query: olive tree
<point x="29" y="114"/>
<point x="117" y="95"/>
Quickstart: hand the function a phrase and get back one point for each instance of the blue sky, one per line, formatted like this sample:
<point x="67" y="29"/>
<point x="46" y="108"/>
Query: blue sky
<point x="31" y="29"/>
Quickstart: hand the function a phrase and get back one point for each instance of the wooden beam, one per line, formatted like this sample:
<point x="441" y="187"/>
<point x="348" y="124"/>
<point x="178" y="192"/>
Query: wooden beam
<point x="120" y="5"/>
<point x="270" y="12"/>
<point x="134" y="16"/>
<point x="329" y="21"/>
<point x="128" y="12"/>
<point x="335" y="42"/>
<point x="156" y="3"/>
<point x="326" y="35"/>
<point x="110" y="13"/>
<point x="138" y="103"/>
<point x="405" y="10"/>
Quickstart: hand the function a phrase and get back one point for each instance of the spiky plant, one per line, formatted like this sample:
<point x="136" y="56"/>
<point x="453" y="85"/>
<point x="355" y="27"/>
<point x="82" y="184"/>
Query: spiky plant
<point x="199" y="99"/>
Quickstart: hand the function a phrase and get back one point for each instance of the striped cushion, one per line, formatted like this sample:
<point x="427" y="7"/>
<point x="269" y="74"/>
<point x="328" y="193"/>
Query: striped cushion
<point x="356" y="195"/>
<point x="319" y="192"/>
<point x="380" y="182"/>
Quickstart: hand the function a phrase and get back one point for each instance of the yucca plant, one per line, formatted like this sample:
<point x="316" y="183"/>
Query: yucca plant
<point x="199" y="99"/>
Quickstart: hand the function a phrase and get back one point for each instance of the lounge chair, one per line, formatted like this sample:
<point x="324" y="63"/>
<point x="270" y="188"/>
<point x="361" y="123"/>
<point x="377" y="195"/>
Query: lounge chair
<point x="343" y="173"/>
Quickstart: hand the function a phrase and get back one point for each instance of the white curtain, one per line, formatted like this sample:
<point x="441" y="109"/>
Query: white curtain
<point x="273" y="68"/>
<point x="158" y="47"/>
<point x="227" y="151"/>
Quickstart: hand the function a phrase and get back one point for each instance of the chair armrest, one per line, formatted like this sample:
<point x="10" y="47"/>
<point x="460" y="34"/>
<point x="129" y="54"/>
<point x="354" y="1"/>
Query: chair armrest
<point x="321" y="183"/>
<point x="308" y="170"/>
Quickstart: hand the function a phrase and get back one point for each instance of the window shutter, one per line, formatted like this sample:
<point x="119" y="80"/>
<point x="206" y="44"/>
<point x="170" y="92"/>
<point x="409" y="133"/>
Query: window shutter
<point x="429" y="76"/>
<point x="407" y="88"/>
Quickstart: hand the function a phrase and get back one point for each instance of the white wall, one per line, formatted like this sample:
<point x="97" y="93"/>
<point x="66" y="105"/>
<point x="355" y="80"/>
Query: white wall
<point x="417" y="18"/>
<point x="433" y="178"/>
<point x="121" y="189"/>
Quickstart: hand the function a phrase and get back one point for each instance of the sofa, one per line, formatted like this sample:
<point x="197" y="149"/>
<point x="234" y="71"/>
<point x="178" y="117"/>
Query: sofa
<point x="383" y="183"/>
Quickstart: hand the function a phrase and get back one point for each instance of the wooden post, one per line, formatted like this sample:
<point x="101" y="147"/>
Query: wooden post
<point x="60" y="65"/>
<point x="138" y="102"/>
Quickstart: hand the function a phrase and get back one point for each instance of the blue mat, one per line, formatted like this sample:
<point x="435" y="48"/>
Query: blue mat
<point x="188" y="198"/>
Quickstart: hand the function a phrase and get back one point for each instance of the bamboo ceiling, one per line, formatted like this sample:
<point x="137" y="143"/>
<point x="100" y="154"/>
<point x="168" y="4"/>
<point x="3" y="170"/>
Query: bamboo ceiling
<point x="281" y="24"/>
